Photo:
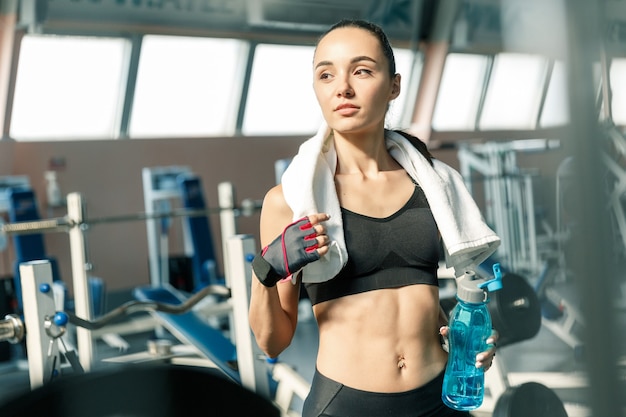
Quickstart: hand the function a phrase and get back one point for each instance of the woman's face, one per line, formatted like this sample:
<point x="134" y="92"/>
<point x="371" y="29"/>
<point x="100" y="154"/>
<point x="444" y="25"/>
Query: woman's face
<point x="351" y="80"/>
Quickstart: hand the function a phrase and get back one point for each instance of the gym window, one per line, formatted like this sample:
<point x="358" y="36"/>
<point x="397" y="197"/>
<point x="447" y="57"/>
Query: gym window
<point x="555" y="108"/>
<point x="68" y="87"/>
<point x="280" y="98"/>
<point x="187" y="87"/>
<point x="618" y="90"/>
<point x="514" y="92"/>
<point x="459" y="93"/>
<point x="409" y="66"/>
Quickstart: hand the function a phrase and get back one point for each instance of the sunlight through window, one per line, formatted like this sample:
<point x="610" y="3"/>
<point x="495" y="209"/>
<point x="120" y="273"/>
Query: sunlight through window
<point x="280" y="97"/>
<point x="618" y="90"/>
<point x="514" y="92"/>
<point x="67" y="87"/>
<point x="459" y="93"/>
<point x="187" y="87"/>
<point x="397" y="113"/>
<point x="555" y="108"/>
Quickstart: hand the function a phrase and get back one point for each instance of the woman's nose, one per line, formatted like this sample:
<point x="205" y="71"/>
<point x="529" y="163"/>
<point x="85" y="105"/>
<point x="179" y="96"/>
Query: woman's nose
<point x="345" y="91"/>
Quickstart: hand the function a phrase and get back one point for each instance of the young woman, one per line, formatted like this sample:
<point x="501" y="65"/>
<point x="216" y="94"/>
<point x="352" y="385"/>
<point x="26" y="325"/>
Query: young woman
<point x="370" y="266"/>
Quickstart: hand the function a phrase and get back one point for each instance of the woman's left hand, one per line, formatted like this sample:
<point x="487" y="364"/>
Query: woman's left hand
<point x="485" y="359"/>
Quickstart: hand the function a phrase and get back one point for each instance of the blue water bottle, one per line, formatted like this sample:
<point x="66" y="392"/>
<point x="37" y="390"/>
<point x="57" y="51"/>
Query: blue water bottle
<point x="470" y="326"/>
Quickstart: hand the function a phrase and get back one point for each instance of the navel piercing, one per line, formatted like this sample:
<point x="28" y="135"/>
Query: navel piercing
<point x="401" y="363"/>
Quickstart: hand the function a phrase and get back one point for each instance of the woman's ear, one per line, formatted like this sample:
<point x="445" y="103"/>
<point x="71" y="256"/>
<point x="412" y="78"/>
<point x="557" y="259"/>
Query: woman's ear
<point x="395" y="86"/>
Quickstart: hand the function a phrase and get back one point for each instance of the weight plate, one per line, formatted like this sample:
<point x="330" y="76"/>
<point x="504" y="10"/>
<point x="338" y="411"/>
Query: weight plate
<point x="515" y="310"/>
<point x="529" y="400"/>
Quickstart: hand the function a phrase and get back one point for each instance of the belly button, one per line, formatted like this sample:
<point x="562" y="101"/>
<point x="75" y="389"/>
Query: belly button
<point x="401" y="362"/>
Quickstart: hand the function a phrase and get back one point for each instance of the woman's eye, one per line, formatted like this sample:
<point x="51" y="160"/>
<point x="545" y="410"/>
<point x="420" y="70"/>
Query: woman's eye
<point x="363" y="71"/>
<point x="324" y="76"/>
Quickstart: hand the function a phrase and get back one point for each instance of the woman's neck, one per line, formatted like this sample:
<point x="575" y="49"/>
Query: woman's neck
<point x="364" y="154"/>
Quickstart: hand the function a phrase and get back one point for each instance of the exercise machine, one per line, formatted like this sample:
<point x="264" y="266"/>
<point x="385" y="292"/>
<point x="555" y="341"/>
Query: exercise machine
<point x="168" y="187"/>
<point x="160" y="191"/>
<point x="509" y="204"/>
<point x="249" y="371"/>
<point x="8" y="301"/>
<point x="539" y="259"/>
<point x="510" y="209"/>
<point x="241" y="363"/>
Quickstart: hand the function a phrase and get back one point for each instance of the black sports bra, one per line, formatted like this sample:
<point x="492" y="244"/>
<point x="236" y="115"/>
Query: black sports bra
<point x="390" y="252"/>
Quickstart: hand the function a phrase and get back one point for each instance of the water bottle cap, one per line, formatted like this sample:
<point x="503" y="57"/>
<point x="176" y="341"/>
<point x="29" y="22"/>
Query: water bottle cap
<point x="468" y="289"/>
<point x="494" y="284"/>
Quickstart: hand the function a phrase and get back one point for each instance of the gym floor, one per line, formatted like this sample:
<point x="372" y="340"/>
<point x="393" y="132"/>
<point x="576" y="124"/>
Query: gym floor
<point x="544" y="359"/>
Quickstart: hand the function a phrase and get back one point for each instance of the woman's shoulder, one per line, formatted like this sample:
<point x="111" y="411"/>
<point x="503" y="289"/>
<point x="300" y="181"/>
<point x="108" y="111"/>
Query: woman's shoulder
<point x="275" y="199"/>
<point x="275" y="206"/>
<point x="275" y="214"/>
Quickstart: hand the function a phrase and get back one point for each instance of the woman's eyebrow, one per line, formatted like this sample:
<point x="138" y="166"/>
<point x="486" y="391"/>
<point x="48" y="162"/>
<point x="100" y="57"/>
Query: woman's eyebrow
<point x="352" y="61"/>
<point x="323" y="64"/>
<point x="362" y="58"/>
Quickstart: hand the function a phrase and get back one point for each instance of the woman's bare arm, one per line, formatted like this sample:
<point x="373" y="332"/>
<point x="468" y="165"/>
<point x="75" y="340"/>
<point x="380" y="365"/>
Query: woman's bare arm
<point x="273" y="310"/>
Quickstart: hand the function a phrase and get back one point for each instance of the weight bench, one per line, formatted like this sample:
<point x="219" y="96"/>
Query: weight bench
<point x="192" y="330"/>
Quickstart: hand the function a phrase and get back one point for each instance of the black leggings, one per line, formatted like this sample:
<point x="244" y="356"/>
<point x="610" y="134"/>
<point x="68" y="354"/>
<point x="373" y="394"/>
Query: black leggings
<point x="328" y="398"/>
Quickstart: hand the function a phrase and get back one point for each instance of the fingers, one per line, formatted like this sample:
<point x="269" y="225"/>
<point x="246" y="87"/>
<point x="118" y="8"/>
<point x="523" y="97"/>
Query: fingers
<point x="484" y="362"/>
<point x="443" y="330"/>
<point x="493" y="339"/>
<point x="322" y="244"/>
<point x="319" y="243"/>
<point x="485" y="359"/>
<point x="317" y="218"/>
<point x="322" y="238"/>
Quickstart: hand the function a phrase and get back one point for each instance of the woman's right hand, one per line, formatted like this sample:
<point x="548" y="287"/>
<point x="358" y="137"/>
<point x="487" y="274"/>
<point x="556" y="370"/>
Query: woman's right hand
<point x="301" y="242"/>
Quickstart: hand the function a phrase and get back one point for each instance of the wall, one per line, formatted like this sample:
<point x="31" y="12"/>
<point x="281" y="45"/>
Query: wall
<point x="6" y="157"/>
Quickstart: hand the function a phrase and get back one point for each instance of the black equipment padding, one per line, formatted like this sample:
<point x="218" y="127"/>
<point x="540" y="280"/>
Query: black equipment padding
<point x="141" y="390"/>
<point x="515" y="310"/>
<point x="529" y="400"/>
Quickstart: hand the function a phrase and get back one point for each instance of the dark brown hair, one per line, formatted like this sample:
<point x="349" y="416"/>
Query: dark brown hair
<point x="418" y="144"/>
<point x="375" y="30"/>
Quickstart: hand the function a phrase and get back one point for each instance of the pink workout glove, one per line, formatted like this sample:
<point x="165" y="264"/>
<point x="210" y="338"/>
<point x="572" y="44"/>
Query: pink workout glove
<point x="287" y="254"/>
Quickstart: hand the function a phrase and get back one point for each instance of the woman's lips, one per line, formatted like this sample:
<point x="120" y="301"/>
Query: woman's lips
<point x="346" y="109"/>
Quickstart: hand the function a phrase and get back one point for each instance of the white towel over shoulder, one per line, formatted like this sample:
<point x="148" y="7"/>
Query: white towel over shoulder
<point x="309" y="187"/>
